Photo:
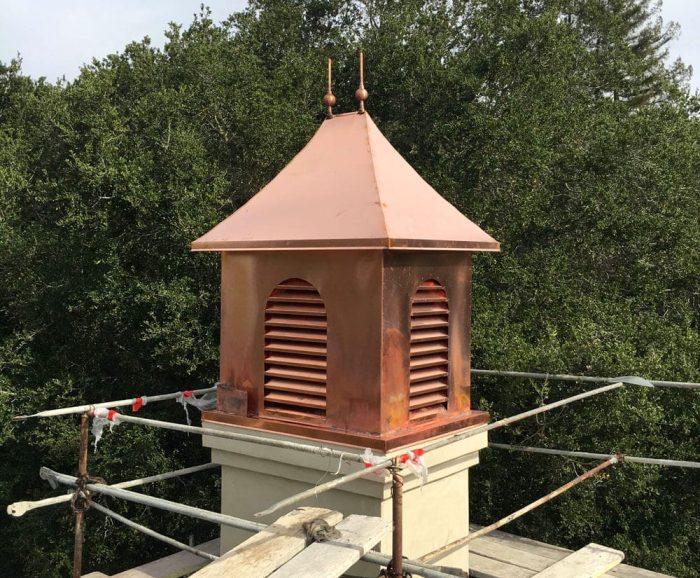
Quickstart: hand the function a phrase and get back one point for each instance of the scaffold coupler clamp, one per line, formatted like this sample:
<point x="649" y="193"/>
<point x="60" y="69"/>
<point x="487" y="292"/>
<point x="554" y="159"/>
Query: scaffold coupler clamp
<point x="82" y="497"/>
<point x="388" y="572"/>
<point x="80" y="502"/>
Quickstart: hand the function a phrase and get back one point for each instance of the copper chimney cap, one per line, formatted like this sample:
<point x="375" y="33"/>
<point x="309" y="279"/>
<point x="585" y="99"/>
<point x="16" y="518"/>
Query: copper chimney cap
<point x="348" y="188"/>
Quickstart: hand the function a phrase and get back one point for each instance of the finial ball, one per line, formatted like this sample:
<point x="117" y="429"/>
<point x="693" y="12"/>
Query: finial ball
<point x="329" y="99"/>
<point x="361" y="94"/>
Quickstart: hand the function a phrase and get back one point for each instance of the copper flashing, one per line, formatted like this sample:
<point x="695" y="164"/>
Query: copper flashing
<point x="385" y="443"/>
<point x="348" y="188"/>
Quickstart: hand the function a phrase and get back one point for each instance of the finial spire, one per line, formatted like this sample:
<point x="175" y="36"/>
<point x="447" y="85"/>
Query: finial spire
<point x="361" y="93"/>
<point x="329" y="97"/>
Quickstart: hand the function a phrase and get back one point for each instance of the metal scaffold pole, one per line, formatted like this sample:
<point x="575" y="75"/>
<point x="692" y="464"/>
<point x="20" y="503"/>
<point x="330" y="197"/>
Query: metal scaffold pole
<point x="396" y="568"/>
<point x="592" y="456"/>
<point x="205" y="431"/>
<point x="110" y="404"/>
<point x="153" y="533"/>
<point x="506" y="421"/>
<point x="81" y="499"/>
<point x="578" y="378"/>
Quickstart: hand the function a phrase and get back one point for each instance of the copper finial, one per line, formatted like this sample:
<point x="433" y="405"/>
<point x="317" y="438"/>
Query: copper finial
<point x="361" y="93"/>
<point x="329" y="97"/>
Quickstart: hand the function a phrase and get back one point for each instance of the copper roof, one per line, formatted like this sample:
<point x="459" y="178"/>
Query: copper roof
<point x="347" y="188"/>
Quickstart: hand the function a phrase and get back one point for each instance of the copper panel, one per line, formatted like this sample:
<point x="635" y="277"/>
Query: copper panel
<point x="347" y="188"/>
<point x="283" y="359"/>
<point x="433" y="320"/>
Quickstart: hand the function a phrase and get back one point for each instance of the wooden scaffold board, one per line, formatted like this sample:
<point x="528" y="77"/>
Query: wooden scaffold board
<point x="503" y="555"/>
<point x="592" y="561"/>
<point x="281" y="550"/>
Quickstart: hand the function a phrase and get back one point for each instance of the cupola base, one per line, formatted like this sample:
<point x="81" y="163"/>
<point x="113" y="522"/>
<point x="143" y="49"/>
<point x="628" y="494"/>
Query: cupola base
<point x="255" y="476"/>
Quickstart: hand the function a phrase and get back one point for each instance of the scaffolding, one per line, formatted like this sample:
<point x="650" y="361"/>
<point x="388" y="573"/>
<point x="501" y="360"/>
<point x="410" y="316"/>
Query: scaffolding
<point x="396" y="565"/>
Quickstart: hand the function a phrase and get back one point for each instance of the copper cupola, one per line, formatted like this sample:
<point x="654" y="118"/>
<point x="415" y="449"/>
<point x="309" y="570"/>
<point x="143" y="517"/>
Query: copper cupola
<point x="345" y="298"/>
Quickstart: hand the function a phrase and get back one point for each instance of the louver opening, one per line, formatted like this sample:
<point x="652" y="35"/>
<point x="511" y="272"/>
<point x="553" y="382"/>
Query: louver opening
<point x="428" y="389"/>
<point x="295" y="352"/>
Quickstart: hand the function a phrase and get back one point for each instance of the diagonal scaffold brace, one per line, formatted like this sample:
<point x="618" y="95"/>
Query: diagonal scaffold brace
<point x="522" y="511"/>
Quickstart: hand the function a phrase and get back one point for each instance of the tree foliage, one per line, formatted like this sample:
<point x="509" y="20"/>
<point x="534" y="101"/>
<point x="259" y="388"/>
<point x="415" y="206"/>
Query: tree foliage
<point x="555" y="124"/>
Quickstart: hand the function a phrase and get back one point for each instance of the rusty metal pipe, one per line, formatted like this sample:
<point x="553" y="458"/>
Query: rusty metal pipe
<point x="397" y="519"/>
<point x="411" y="566"/>
<point x="517" y="514"/>
<point x="80" y="502"/>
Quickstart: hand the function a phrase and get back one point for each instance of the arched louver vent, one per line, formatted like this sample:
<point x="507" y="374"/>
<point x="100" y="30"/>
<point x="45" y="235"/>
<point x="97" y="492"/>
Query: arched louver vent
<point x="295" y="352"/>
<point x="428" y="390"/>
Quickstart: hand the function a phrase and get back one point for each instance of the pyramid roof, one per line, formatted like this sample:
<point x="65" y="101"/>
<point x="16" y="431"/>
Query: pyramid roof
<point x="348" y="188"/>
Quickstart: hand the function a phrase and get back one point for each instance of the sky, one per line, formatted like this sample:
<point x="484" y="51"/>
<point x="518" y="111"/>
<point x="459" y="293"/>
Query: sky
<point x="54" y="38"/>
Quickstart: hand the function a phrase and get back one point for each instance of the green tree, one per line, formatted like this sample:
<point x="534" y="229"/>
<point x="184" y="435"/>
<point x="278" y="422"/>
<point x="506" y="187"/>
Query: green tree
<point x="628" y="42"/>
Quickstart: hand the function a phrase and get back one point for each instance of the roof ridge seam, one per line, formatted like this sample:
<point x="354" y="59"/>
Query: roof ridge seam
<point x="374" y="178"/>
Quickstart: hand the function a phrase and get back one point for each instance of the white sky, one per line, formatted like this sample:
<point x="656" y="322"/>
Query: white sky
<point x="55" y="37"/>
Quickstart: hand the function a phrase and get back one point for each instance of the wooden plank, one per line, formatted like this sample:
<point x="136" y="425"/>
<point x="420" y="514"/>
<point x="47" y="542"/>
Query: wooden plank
<point x="268" y="550"/>
<point x="332" y="559"/>
<point x="625" y="571"/>
<point x="554" y="552"/>
<point x="174" y="566"/>
<point x="482" y="567"/>
<point x="500" y="550"/>
<point x="590" y="561"/>
<point x="526" y="544"/>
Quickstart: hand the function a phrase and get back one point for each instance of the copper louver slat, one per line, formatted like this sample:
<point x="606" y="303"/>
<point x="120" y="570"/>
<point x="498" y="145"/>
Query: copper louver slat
<point x="422" y="361"/>
<point x="295" y="352"/>
<point x="295" y="373"/>
<point x="423" y="298"/>
<point x="438" y="372"/>
<point x="429" y="322"/>
<point x="430" y="335"/>
<point x="424" y="348"/>
<point x="426" y="309"/>
<point x="295" y="320"/>
<point x="424" y="401"/>
<point x="419" y="389"/>
<point x="429" y="365"/>
<point x="293" y="399"/>
<point x="297" y="347"/>
<point x="295" y="335"/>
<point x="300" y="299"/>
<point x="297" y="360"/>
<point x="286" y="308"/>
<point x="299" y="387"/>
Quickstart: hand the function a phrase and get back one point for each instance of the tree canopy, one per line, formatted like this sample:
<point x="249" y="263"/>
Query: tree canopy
<point x="557" y="125"/>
